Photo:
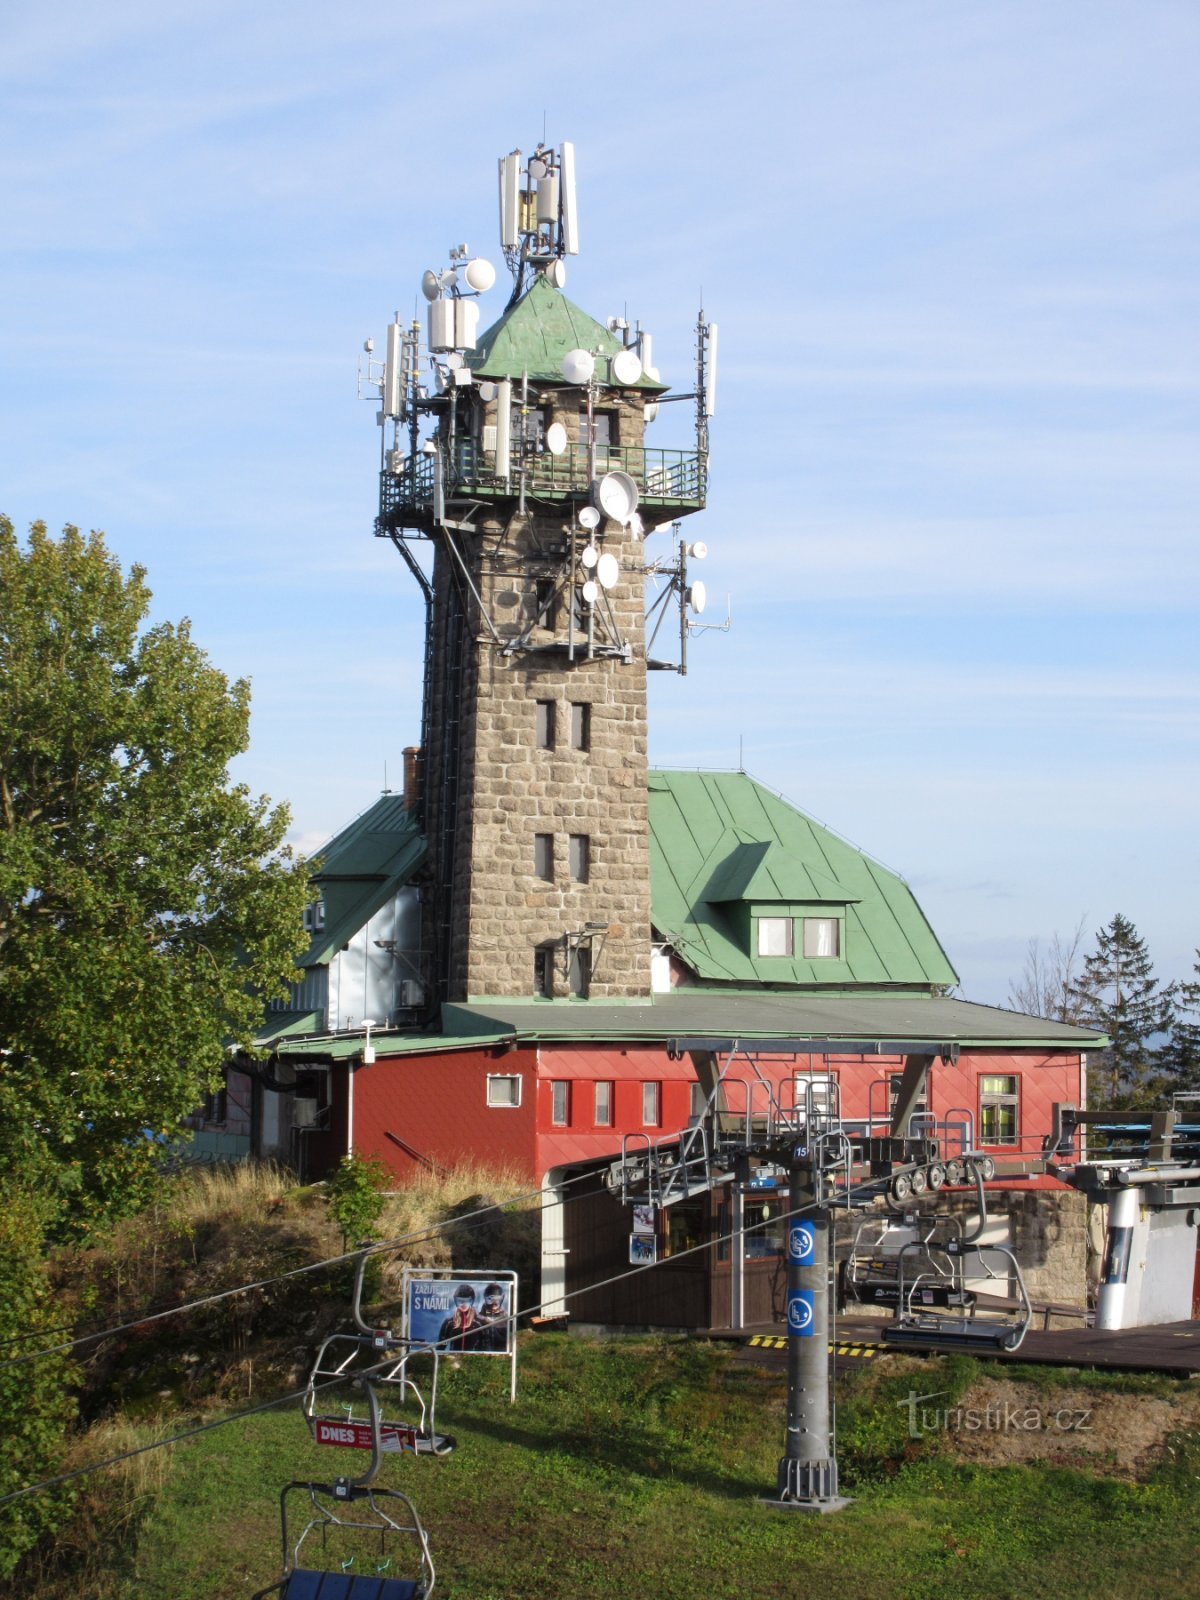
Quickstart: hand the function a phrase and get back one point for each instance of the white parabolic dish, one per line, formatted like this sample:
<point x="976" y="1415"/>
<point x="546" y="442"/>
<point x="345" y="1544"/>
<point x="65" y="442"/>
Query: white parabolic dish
<point x="616" y="495"/>
<point x="608" y="570"/>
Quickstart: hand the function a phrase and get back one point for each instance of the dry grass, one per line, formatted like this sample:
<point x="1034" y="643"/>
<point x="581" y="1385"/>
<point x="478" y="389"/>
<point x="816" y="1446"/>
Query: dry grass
<point x="476" y="1215"/>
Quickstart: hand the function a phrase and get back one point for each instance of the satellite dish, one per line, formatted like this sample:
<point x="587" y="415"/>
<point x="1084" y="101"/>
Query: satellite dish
<point x="589" y="556"/>
<point x="557" y="273"/>
<point x="651" y="411"/>
<point x="448" y="278"/>
<point x="578" y="366"/>
<point x="537" y="168"/>
<point x="697" y="551"/>
<point x="556" y="438"/>
<point x="591" y="592"/>
<point x="589" y="517"/>
<point x="626" y="368"/>
<point x="480" y="275"/>
<point x="616" y="495"/>
<point x="430" y="287"/>
<point x="697" y="597"/>
<point x="608" y="570"/>
<point x="635" y="525"/>
<point x="454" y="360"/>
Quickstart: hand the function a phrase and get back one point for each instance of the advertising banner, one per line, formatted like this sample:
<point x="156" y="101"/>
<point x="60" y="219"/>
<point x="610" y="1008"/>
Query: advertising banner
<point x="467" y="1315"/>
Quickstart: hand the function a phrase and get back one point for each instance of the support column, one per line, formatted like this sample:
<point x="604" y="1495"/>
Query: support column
<point x="807" y="1479"/>
<point x="1122" y="1219"/>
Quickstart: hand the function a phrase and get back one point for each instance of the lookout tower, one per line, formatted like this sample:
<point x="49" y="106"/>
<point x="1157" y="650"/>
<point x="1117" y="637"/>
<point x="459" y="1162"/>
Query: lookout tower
<point x="517" y="484"/>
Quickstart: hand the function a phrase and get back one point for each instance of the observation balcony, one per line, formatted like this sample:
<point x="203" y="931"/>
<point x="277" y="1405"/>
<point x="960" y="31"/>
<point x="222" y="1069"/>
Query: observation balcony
<point x="671" y="481"/>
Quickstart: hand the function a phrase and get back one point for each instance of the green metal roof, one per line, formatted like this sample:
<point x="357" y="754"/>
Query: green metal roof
<point x="286" y="1024"/>
<point x="361" y="868"/>
<point x="721" y="843"/>
<point x="534" y="335"/>
<point x="710" y="1017"/>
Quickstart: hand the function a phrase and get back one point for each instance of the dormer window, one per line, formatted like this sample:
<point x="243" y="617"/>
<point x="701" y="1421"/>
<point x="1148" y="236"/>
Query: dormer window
<point x="314" y="917"/>
<point x="818" y="938"/>
<point x="775" y="936"/>
<point x="821" y="937"/>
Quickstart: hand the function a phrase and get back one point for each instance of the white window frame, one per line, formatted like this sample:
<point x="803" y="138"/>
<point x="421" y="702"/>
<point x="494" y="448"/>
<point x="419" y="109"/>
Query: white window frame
<point x="813" y="924"/>
<point x="778" y="925"/>
<point x="652" y="1103"/>
<point x="560" y="1102"/>
<point x="605" y="1121"/>
<point x="503" y="1077"/>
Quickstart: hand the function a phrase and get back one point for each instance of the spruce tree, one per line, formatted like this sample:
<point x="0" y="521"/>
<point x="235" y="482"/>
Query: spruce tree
<point x="1179" y="1059"/>
<point x="1118" y="992"/>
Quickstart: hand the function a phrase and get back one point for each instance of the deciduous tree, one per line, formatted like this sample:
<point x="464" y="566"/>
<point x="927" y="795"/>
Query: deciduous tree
<point x="147" y="905"/>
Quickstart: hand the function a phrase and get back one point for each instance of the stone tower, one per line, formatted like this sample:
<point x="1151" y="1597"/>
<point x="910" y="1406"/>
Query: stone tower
<point x="523" y="469"/>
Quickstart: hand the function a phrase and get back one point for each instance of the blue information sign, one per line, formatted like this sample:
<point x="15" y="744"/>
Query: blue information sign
<point x="800" y="1312"/>
<point x="801" y="1244"/>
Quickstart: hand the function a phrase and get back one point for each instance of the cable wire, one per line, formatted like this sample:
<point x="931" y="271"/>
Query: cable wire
<point x="272" y="1405"/>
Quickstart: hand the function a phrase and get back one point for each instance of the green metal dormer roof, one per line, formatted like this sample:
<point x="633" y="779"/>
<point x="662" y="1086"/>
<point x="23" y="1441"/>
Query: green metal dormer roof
<point x="533" y="336"/>
<point x="360" y="869"/>
<point x="722" y="847"/>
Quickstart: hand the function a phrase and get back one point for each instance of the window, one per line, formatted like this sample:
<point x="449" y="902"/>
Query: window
<point x="314" y="917"/>
<point x="581" y="725"/>
<point x="602" y="432"/>
<point x="560" y="1102"/>
<point x="921" y="1109"/>
<point x="699" y="1103"/>
<point x="999" y="1104"/>
<point x="579" y="971"/>
<point x="602" y="1114"/>
<point x="579" y="856"/>
<point x="503" y="1089"/>
<point x="774" y="936"/>
<point x="545" y="725"/>
<point x="543" y="856"/>
<point x="818" y="1095"/>
<point x="651" y="1105"/>
<point x="543" y="599"/>
<point x="543" y="972"/>
<point x="821" y="937"/>
<point x="216" y="1106"/>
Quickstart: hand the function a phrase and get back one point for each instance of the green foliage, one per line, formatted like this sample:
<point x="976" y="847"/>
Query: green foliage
<point x="35" y="1398"/>
<point x="1117" y="992"/>
<point x="147" y="909"/>
<point x="1179" y="1059"/>
<point x="356" y="1196"/>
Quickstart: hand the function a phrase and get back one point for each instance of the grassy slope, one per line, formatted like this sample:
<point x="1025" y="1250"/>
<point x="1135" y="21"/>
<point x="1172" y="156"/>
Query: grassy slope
<point x="632" y="1467"/>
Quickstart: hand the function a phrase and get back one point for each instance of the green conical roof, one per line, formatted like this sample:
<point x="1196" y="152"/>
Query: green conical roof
<point x="533" y="336"/>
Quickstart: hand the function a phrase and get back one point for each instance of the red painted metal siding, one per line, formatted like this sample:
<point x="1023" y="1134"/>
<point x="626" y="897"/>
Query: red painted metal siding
<point x="411" y="1111"/>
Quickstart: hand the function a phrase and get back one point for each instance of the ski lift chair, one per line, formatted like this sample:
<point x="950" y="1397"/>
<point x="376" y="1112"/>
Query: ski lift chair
<point x="381" y="1517"/>
<point x="367" y="1365"/>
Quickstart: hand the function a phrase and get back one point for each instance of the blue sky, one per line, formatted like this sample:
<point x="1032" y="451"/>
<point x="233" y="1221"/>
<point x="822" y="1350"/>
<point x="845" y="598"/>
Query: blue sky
<point x="952" y="251"/>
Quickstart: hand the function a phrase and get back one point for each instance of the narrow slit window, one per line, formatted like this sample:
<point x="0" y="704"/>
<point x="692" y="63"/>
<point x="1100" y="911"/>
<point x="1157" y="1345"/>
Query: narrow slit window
<point x="580" y="857"/>
<point x="545" y="725"/>
<point x="603" y="1111"/>
<point x="651" y="1105"/>
<point x="543" y="972"/>
<point x="581" y="725"/>
<point x="579" y="972"/>
<point x="543" y="856"/>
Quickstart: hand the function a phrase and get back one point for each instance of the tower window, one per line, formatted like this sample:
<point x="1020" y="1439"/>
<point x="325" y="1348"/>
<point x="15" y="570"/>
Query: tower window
<point x="543" y="972"/>
<point x="560" y="1103"/>
<point x="543" y="856"/>
<point x="579" y="856"/>
<point x="545" y="724"/>
<point x="543" y="599"/>
<point x="579" y="971"/>
<point x="581" y="725"/>
<point x="822" y="937"/>
<point x="775" y="936"/>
